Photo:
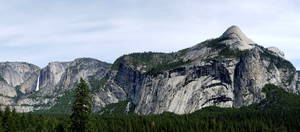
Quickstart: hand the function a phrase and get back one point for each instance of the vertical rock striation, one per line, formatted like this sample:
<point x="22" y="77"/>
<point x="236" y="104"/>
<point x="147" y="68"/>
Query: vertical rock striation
<point x="229" y="71"/>
<point x="19" y="82"/>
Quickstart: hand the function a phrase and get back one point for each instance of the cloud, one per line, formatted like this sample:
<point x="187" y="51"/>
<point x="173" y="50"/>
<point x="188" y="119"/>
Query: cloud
<point x="61" y="30"/>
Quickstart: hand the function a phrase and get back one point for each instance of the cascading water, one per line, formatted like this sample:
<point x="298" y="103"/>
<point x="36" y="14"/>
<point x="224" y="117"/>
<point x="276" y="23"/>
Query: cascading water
<point x="37" y="84"/>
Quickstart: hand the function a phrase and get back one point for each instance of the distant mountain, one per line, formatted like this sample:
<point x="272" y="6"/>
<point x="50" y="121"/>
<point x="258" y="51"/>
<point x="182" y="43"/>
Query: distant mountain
<point x="229" y="71"/>
<point x="27" y="87"/>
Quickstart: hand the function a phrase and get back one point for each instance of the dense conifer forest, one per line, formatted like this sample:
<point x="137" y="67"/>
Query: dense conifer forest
<point x="280" y="111"/>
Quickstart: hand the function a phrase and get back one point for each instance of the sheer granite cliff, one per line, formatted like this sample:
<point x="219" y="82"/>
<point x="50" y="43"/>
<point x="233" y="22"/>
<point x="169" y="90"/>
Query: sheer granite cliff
<point x="228" y="71"/>
<point x="16" y="80"/>
<point x="19" y="87"/>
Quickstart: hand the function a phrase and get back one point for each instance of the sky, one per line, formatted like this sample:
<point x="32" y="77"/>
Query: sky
<point x="43" y="31"/>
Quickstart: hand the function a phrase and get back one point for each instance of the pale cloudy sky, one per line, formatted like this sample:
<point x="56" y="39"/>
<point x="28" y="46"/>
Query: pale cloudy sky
<point x="40" y="31"/>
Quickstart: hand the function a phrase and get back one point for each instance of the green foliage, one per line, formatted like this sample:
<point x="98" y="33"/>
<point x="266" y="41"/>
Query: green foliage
<point x="20" y="122"/>
<point x="229" y="53"/>
<point x="182" y="52"/>
<point x="154" y="63"/>
<point x="214" y="43"/>
<point x="150" y="62"/>
<point x="98" y="84"/>
<point x="18" y="90"/>
<point x="117" y="63"/>
<point x="7" y="119"/>
<point x="224" y="50"/>
<point x="117" y="108"/>
<point x="291" y="78"/>
<point x="167" y="66"/>
<point x="278" y="99"/>
<point x="82" y="108"/>
<point x="63" y="104"/>
<point x="210" y="119"/>
<point x="37" y="95"/>
<point x="19" y="93"/>
<point x="33" y="95"/>
<point x="280" y="111"/>
<point x="280" y="63"/>
<point x="2" y="79"/>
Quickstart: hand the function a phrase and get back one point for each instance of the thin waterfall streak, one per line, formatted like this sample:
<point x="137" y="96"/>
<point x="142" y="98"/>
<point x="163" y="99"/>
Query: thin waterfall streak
<point x="37" y="84"/>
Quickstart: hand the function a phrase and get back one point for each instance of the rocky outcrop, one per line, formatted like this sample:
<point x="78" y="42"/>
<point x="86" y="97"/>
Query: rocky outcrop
<point x="276" y="51"/>
<point x="229" y="71"/>
<point x="15" y="81"/>
<point x="51" y="75"/>
<point x="7" y="93"/>
<point x="236" y="39"/>
<point x="18" y="74"/>
<point x="7" y="90"/>
<point x="258" y="68"/>
<point x="186" y="89"/>
<point x="27" y="87"/>
<point x="63" y="76"/>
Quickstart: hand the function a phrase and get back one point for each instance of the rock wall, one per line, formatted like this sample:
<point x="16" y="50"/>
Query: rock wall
<point x="213" y="74"/>
<point x="19" y="81"/>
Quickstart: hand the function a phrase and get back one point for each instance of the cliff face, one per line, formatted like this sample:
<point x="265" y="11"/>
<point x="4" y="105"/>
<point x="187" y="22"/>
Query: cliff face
<point x="228" y="71"/>
<point x="27" y="87"/>
<point x="15" y="81"/>
<point x="257" y="68"/>
<point x="18" y="75"/>
<point x="298" y="80"/>
<point x="64" y="75"/>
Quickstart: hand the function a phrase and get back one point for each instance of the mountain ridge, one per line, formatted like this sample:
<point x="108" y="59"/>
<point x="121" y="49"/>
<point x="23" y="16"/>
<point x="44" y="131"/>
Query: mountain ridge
<point x="228" y="71"/>
<point x="207" y="58"/>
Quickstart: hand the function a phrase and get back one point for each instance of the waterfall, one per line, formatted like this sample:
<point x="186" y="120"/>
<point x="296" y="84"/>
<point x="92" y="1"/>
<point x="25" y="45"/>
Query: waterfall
<point x="128" y="107"/>
<point x="37" y="84"/>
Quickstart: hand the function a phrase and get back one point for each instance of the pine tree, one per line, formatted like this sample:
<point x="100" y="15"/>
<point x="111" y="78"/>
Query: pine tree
<point x="7" y="120"/>
<point x="81" y="108"/>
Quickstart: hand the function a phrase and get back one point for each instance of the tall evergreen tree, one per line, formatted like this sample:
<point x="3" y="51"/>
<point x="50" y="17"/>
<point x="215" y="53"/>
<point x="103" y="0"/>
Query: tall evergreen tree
<point x="7" y="120"/>
<point x="82" y="108"/>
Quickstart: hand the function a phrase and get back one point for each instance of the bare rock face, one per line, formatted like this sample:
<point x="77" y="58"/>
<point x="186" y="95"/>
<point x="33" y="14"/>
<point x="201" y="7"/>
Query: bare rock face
<point x="229" y="71"/>
<point x="83" y="68"/>
<point x="52" y="74"/>
<point x="276" y="51"/>
<point x="258" y="68"/>
<point x="236" y="39"/>
<point x="18" y="74"/>
<point x="6" y="90"/>
<point x="59" y="77"/>
<point x="187" y="89"/>
<point x="26" y="87"/>
<point x="15" y="81"/>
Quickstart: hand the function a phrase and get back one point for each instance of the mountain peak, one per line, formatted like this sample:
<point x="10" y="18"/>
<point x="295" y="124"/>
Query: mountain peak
<point x="237" y="39"/>
<point x="233" y="30"/>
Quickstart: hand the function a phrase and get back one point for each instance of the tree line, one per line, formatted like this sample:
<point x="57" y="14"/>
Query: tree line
<point x="246" y="119"/>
